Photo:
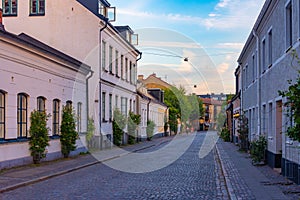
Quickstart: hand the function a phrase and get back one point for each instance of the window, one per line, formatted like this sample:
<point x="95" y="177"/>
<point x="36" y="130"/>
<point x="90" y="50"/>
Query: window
<point x="37" y="7"/>
<point x="254" y="68"/>
<point x="134" y="106"/>
<point x="2" y="114"/>
<point x="247" y="74"/>
<point x="134" y="74"/>
<point x="270" y="50"/>
<point x="69" y="103"/>
<point x="103" y="55"/>
<point x="103" y="106"/>
<point x="110" y="59"/>
<point x="122" y="66"/>
<point x="263" y="56"/>
<point x="130" y="72"/>
<point x="41" y="101"/>
<point x="289" y="25"/>
<point x="117" y="63"/>
<point x="116" y="101"/>
<point x="270" y="124"/>
<point x="130" y="105"/>
<point x="124" y="106"/>
<point x="55" y="117"/>
<point x="79" y="116"/>
<point x="102" y="9"/>
<point x="10" y="7"/>
<point x="22" y="115"/>
<point x="110" y="107"/>
<point x="126" y="69"/>
<point x="264" y="119"/>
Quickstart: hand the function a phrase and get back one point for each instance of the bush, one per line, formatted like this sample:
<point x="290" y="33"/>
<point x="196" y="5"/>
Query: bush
<point x="39" y="135"/>
<point x="150" y="129"/>
<point x="68" y="131"/>
<point x="225" y="134"/>
<point x="90" y="133"/>
<point x="119" y="123"/>
<point x="133" y="122"/>
<point x="257" y="149"/>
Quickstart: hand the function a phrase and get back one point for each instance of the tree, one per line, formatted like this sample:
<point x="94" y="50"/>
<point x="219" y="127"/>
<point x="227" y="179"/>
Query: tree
<point x="133" y="122"/>
<point x="68" y="131"/>
<point x="150" y="129"/>
<point x="243" y="133"/>
<point x="119" y="123"/>
<point x="90" y="133"/>
<point x="39" y="135"/>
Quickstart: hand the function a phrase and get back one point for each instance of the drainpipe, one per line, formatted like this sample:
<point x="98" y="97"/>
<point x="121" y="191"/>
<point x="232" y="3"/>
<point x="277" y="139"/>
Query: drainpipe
<point x="87" y="97"/>
<point x="100" y="82"/>
<point x="258" y="83"/>
<point x="140" y="56"/>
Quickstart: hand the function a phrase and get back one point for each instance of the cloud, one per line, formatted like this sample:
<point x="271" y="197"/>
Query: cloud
<point x="144" y="43"/>
<point x="222" y="4"/>
<point x="230" y="45"/>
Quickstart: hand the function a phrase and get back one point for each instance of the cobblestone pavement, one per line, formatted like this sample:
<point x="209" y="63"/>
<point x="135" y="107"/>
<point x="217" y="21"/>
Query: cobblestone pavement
<point x="187" y="178"/>
<point x="253" y="182"/>
<point x="225" y="173"/>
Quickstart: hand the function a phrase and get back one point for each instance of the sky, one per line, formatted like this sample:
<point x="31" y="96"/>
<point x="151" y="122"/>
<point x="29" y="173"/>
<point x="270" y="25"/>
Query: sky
<point x="210" y="34"/>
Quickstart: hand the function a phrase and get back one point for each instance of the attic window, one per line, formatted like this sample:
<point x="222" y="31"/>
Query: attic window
<point x="10" y="7"/>
<point x="37" y="7"/>
<point x="102" y="9"/>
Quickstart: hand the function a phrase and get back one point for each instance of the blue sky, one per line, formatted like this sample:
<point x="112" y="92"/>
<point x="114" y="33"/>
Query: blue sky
<point x="211" y="33"/>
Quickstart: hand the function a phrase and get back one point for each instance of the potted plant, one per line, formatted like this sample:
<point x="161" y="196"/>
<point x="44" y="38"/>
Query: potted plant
<point x="68" y="131"/>
<point x="39" y="139"/>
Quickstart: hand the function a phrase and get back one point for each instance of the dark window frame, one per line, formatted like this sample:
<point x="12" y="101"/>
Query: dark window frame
<point x="2" y="109"/>
<point x="10" y="8"/>
<point x="21" y="122"/>
<point x="56" y="117"/>
<point x="39" y="7"/>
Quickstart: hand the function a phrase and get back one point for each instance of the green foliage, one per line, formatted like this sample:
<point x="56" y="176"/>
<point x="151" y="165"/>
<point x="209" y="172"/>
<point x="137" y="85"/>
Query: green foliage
<point x="150" y="129"/>
<point x="243" y="132"/>
<point x="68" y="131"/>
<point x="119" y="123"/>
<point x="257" y="149"/>
<point x="39" y="135"/>
<point x="182" y="106"/>
<point x="90" y="132"/>
<point x="221" y="118"/>
<point x="293" y="96"/>
<point x="133" y="122"/>
<point x="225" y="134"/>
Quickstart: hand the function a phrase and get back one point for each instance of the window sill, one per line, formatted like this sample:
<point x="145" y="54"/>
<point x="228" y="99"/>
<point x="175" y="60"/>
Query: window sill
<point x="10" y="15"/>
<point x="111" y="73"/>
<point x="288" y="49"/>
<point x="270" y="65"/>
<point x="117" y="76"/>
<point x="40" y="14"/>
<point x="104" y="120"/>
<point x="55" y="137"/>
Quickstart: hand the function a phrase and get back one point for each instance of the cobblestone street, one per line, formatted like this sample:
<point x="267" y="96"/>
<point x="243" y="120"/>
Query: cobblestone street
<point x="224" y="173"/>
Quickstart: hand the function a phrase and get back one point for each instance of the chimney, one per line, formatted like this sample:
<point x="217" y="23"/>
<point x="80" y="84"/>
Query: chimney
<point x="1" y="24"/>
<point x="140" y="77"/>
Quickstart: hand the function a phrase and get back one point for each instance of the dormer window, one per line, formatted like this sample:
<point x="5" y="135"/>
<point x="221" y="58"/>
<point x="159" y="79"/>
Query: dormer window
<point x="37" y="7"/>
<point x="10" y="7"/>
<point x="102" y="9"/>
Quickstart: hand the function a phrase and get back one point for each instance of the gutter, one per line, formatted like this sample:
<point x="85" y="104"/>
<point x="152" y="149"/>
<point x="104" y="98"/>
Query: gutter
<point x="258" y="82"/>
<point x="87" y="97"/>
<point x="100" y="82"/>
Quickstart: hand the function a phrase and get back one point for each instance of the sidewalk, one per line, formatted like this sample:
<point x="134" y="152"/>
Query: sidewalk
<point x="246" y="181"/>
<point x="17" y="177"/>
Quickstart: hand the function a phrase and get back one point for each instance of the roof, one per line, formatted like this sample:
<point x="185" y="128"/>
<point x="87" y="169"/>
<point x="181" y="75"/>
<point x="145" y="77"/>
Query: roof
<point x="153" y="79"/>
<point x="210" y="101"/>
<point x="92" y="6"/>
<point x="30" y="42"/>
<point x="261" y="16"/>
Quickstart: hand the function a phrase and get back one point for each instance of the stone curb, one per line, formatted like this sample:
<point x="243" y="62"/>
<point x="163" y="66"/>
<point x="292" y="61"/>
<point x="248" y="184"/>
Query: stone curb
<point x="43" y="178"/>
<point x="227" y="181"/>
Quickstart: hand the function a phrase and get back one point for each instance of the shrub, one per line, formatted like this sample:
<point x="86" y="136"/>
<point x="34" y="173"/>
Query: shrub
<point x="150" y="129"/>
<point x="225" y="134"/>
<point x="133" y="122"/>
<point x="119" y="123"/>
<point x="257" y="149"/>
<point x="68" y="131"/>
<point x="39" y="135"/>
<point x="90" y="133"/>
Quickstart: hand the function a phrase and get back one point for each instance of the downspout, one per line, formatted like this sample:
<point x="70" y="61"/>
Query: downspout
<point x="100" y="81"/>
<point x="87" y="98"/>
<point x="258" y="83"/>
<point x="139" y="57"/>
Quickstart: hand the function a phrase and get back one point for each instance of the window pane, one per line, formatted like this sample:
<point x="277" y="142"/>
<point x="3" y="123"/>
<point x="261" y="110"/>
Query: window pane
<point x="42" y="6"/>
<point x="14" y="7"/>
<point x="1" y="99"/>
<point x="2" y="115"/>
<point x="2" y="127"/>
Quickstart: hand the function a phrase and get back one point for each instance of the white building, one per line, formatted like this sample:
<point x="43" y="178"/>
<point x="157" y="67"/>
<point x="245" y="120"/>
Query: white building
<point x="83" y="30"/>
<point x="151" y="109"/>
<point x="266" y="66"/>
<point x="35" y="76"/>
